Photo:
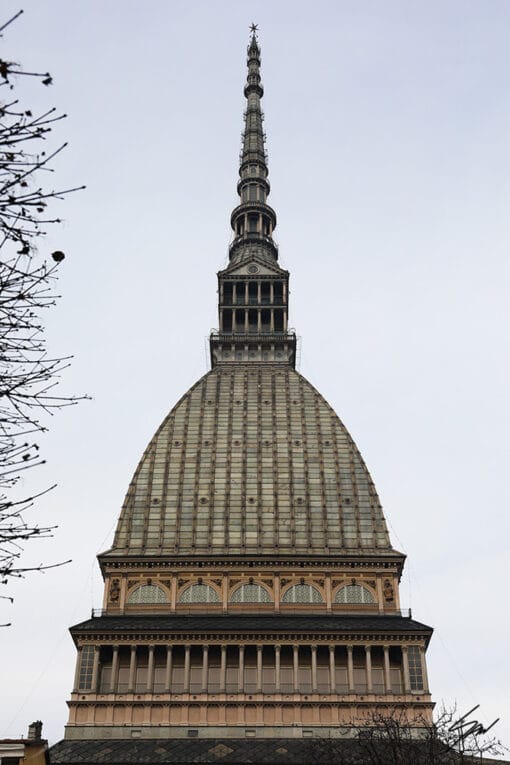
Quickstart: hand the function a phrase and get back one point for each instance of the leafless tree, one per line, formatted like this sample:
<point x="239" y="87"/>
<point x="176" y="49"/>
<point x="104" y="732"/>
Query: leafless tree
<point x="389" y="738"/>
<point x="451" y="739"/>
<point x="28" y="374"/>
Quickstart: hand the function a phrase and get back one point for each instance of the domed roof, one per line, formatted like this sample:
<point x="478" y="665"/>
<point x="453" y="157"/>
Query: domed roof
<point x="252" y="460"/>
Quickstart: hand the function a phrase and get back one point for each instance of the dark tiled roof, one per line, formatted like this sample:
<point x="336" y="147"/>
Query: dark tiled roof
<point x="270" y="623"/>
<point x="256" y="751"/>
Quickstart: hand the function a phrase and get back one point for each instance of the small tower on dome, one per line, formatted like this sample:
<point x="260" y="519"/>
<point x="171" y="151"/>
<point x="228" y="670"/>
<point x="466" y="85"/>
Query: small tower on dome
<point x="253" y="290"/>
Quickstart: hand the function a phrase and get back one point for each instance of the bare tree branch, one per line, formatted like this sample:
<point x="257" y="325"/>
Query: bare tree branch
<point x="28" y="374"/>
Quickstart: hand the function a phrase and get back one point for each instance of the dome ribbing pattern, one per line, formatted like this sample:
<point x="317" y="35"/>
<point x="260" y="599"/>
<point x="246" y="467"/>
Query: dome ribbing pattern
<point x="252" y="459"/>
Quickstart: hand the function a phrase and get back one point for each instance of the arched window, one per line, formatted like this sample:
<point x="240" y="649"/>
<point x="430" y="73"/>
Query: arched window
<point x="302" y="593"/>
<point x="199" y="593"/>
<point x="148" y="593"/>
<point x="354" y="593"/>
<point x="250" y="593"/>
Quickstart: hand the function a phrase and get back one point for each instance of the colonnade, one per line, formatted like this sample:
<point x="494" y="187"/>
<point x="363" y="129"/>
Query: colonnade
<point x="253" y="669"/>
<point x="253" y="293"/>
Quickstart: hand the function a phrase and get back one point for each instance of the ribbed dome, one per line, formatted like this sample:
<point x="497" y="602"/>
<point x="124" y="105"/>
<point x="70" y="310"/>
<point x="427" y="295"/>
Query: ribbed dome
<point x="251" y="460"/>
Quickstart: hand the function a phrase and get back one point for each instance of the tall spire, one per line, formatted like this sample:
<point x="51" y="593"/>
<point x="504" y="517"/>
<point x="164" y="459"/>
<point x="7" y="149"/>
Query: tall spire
<point x="253" y="221"/>
<point x="253" y="290"/>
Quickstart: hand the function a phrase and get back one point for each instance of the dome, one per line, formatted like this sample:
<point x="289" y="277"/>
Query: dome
<point x="252" y="460"/>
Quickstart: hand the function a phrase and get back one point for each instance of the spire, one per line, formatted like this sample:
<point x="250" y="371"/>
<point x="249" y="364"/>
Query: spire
<point x="253" y="290"/>
<point x="253" y="221"/>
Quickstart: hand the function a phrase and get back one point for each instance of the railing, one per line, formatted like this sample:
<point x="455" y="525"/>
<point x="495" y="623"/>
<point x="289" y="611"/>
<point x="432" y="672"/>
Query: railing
<point x="266" y="689"/>
<point x="182" y="610"/>
<point x="249" y="336"/>
<point x="241" y="300"/>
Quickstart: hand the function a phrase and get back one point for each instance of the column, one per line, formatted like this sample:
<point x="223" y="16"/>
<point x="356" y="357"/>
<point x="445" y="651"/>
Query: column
<point x="277" y="667"/>
<point x="405" y="664"/>
<point x="123" y="590"/>
<point x="241" y="669"/>
<point x="168" y="671"/>
<point x="95" y="670"/>
<point x="150" y="670"/>
<point x="234" y="294"/>
<point x="223" y="668"/>
<point x="277" y="592"/>
<point x="173" y="593"/>
<point x="259" y="669"/>
<point x="77" y="671"/>
<point x="271" y="293"/>
<point x="271" y="320"/>
<point x="115" y="669"/>
<point x="132" y="670"/>
<point x="296" y="668"/>
<point x="328" y="592"/>
<point x="224" y="581"/>
<point x="186" y="669"/>
<point x="350" y="669"/>
<point x="246" y="292"/>
<point x="332" y="669"/>
<point x="380" y="599"/>
<point x="205" y="667"/>
<point x="368" y="662"/>
<point x="396" y="592"/>
<point x="387" y="680"/>
<point x="314" y="669"/>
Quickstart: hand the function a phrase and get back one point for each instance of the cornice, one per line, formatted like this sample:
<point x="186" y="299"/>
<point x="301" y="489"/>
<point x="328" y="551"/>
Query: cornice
<point x="128" y="562"/>
<point x="287" y="638"/>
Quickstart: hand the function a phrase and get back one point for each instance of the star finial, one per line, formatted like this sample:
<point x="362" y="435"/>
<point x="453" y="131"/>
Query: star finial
<point x="254" y="28"/>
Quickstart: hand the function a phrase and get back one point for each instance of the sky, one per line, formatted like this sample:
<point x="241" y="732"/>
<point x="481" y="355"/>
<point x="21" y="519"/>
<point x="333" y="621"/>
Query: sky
<point x="388" y="133"/>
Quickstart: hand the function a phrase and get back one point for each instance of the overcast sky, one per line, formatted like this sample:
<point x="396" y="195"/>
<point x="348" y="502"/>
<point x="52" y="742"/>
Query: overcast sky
<point x="388" y="128"/>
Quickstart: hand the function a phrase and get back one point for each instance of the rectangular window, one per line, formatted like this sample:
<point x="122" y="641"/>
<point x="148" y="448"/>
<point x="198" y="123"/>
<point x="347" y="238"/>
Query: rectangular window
<point x="377" y="680"/>
<point x="360" y="680"/>
<point x="286" y="679"/>
<point x="342" y="684"/>
<point x="106" y="676"/>
<point x="141" y="679"/>
<point x="305" y="679"/>
<point x="323" y="679"/>
<point x="195" y="679"/>
<point x="123" y="679"/>
<point x="227" y="293"/>
<point x="415" y="668"/>
<point x="250" y="679"/>
<point x="86" y="668"/>
<point x="214" y="679"/>
<point x="396" y="680"/>
<point x="268" y="680"/>
<point x="177" y="679"/>
<point x="232" y="679"/>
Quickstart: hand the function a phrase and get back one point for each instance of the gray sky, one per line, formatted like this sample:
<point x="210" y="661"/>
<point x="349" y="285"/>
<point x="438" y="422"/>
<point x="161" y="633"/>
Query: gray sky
<point x="388" y="130"/>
